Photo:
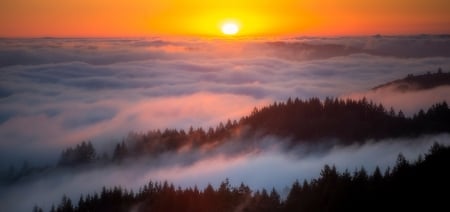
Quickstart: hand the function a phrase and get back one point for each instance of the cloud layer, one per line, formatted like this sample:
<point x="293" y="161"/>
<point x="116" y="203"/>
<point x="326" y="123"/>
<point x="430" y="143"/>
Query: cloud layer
<point x="57" y="92"/>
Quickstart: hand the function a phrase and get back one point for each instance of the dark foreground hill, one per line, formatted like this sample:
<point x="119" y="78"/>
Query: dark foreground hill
<point x="418" y="82"/>
<point x="418" y="186"/>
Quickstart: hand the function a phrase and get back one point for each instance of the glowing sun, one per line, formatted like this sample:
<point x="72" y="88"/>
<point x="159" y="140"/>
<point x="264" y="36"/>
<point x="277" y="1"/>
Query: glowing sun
<point x="230" y="28"/>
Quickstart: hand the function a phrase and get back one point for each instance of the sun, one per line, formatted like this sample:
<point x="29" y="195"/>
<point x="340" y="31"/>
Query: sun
<point x="230" y="28"/>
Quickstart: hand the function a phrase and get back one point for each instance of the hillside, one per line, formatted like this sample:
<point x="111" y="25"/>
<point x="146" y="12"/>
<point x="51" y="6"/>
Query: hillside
<point x="418" y="82"/>
<point x="408" y="186"/>
<point x="310" y="123"/>
<point x="298" y="121"/>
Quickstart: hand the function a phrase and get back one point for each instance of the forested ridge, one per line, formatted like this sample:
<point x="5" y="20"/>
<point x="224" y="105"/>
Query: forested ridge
<point x="301" y="121"/>
<point x="409" y="186"/>
<point x="309" y="122"/>
<point x="418" y="82"/>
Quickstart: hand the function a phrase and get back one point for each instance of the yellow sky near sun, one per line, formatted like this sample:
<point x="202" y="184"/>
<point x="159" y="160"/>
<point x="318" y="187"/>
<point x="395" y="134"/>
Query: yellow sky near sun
<point x="204" y="17"/>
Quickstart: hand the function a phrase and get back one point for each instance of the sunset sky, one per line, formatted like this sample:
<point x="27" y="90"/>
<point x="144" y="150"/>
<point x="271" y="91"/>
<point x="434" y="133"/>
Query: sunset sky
<point x="131" y="72"/>
<point x="105" y="18"/>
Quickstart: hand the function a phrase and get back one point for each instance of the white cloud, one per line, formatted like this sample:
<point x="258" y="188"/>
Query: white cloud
<point x="56" y="92"/>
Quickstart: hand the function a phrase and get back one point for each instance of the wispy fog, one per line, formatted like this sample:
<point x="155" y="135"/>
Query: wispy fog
<point x="54" y="93"/>
<point x="408" y="102"/>
<point x="264" y="166"/>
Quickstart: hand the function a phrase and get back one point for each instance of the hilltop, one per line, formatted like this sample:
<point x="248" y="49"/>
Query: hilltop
<point x="418" y="82"/>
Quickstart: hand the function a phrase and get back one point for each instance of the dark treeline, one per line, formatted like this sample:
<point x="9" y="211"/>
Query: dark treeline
<point x="302" y="121"/>
<point x="421" y="185"/>
<point x="419" y="82"/>
<point x="348" y="120"/>
<point x="82" y="153"/>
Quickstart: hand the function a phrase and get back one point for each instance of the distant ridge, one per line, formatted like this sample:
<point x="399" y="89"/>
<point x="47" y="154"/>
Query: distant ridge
<point x="418" y="82"/>
<point x="309" y="122"/>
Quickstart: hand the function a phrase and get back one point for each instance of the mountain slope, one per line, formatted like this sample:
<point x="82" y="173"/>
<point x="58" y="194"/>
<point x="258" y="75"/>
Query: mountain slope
<point x="417" y="82"/>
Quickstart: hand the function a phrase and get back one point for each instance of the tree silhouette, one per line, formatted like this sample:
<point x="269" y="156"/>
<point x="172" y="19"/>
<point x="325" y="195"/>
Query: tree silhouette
<point x="410" y="186"/>
<point x="83" y="153"/>
<point x="302" y="121"/>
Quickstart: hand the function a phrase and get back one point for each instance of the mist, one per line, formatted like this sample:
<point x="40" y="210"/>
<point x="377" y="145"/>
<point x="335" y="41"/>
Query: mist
<point x="101" y="89"/>
<point x="270" y="164"/>
<point x="55" y="93"/>
<point x="409" y="102"/>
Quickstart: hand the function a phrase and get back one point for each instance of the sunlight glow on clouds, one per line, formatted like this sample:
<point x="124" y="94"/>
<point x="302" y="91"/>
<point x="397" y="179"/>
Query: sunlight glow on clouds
<point x="55" y="93"/>
<point x="100" y="89"/>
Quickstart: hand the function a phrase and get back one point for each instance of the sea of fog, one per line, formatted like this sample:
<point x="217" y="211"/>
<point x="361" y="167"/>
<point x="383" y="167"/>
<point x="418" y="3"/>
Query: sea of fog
<point x="55" y="93"/>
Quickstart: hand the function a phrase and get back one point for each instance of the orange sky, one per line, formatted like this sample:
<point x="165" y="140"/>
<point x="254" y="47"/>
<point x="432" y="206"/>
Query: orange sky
<point x="29" y="18"/>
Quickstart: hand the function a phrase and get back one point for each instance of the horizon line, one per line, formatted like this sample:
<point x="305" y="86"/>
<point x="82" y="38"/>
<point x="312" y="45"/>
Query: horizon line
<point x="237" y="37"/>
